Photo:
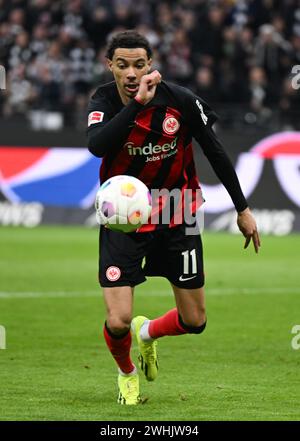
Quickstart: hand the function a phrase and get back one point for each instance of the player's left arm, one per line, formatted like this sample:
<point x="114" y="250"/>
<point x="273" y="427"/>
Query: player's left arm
<point x="201" y="121"/>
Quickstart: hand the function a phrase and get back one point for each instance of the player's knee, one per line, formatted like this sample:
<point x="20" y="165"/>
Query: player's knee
<point x="118" y="325"/>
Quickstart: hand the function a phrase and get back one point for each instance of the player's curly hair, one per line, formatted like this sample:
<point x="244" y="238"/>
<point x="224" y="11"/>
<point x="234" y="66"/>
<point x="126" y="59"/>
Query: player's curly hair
<point x="127" y="39"/>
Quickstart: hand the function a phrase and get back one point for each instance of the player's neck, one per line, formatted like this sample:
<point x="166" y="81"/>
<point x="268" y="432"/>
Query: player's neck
<point x="124" y="98"/>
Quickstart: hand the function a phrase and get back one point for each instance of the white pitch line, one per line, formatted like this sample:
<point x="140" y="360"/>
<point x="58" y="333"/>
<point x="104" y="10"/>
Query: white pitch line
<point x="262" y="290"/>
<point x="156" y="293"/>
<point x="47" y="294"/>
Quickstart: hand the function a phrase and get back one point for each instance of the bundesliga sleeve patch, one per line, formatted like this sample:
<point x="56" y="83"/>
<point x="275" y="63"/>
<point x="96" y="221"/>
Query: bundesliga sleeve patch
<point x="95" y="117"/>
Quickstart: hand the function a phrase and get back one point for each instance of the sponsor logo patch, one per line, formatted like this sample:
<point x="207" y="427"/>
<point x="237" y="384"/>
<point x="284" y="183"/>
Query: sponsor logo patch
<point x="150" y="149"/>
<point x="95" y="117"/>
<point x="170" y="125"/>
<point x="113" y="273"/>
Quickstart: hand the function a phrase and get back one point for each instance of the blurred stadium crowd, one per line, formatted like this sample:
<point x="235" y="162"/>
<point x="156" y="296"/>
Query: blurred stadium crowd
<point x="237" y="55"/>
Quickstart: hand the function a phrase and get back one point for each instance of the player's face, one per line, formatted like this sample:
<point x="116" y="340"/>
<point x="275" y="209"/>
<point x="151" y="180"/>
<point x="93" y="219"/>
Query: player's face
<point x="128" y="66"/>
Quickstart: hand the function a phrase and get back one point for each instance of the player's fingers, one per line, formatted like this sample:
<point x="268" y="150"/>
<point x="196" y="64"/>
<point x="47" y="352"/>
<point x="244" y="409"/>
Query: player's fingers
<point x="152" y="81"/>
<point x="247" y="241"/>
<point x="256" y="241"/>
<point x="156" y="76"/>
<point x="258" y="237"/>
<point x="156" y="72"/>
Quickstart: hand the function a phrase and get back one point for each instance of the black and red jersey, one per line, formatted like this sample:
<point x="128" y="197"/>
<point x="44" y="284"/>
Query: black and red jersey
<point x="153" y="142"/>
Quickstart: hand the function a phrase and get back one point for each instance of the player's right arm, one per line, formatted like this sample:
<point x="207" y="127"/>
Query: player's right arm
<point x="107" y="131"/>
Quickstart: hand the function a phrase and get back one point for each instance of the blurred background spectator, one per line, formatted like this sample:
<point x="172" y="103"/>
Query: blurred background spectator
<point x="236" y="54"/>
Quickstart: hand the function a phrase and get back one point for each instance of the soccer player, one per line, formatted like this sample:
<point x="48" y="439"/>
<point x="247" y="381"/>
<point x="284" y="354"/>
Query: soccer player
<point x="143" y="127"/>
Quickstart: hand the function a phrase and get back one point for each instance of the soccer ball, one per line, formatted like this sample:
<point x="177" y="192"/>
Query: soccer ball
<point x="123" y="203"/>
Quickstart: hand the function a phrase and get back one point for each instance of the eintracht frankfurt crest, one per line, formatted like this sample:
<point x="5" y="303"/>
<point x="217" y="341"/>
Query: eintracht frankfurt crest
<point x="170" y="125"/>
<point x="113" y="273"/>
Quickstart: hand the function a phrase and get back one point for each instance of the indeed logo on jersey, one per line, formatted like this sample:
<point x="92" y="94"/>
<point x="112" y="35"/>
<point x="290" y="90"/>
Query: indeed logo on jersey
<point x="164" y="151"/>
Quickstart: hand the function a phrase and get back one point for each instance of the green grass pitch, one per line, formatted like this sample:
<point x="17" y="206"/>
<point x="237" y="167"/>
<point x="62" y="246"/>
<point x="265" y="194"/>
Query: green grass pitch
<point x="56" y="365"/>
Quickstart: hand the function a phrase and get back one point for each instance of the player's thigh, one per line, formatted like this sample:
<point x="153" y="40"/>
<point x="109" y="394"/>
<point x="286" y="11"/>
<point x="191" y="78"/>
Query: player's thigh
<point x="184" y="256"/>
<point x="121" y="256"/>
<point x="191" y="305"/>
<point x="119" y="304"/>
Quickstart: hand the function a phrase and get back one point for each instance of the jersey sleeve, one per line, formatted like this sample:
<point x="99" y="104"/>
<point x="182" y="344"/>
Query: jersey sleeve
<point x="107" y="131"/>
<point x="98" y="112"/>
<point x="200" y="117"/>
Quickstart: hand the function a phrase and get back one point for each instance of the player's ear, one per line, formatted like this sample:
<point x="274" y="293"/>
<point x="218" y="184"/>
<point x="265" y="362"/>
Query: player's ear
<point x="109" y="64"/>
<point x="149" y="62"/>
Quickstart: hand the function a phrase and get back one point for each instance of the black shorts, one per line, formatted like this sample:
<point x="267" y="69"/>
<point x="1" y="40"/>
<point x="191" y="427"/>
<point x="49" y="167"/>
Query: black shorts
<point x="126" y="259"/>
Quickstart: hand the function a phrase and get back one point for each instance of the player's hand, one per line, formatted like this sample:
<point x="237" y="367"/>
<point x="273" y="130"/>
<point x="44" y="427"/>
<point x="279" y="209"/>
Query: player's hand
<point x="247" y="226"/>
<point x="148" y="86"/>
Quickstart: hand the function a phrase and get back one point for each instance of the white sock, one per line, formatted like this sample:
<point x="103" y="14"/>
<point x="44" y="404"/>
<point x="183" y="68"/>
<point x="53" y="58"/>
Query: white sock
<point x="130" y="373"/>
<point x="144" y="332"/>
